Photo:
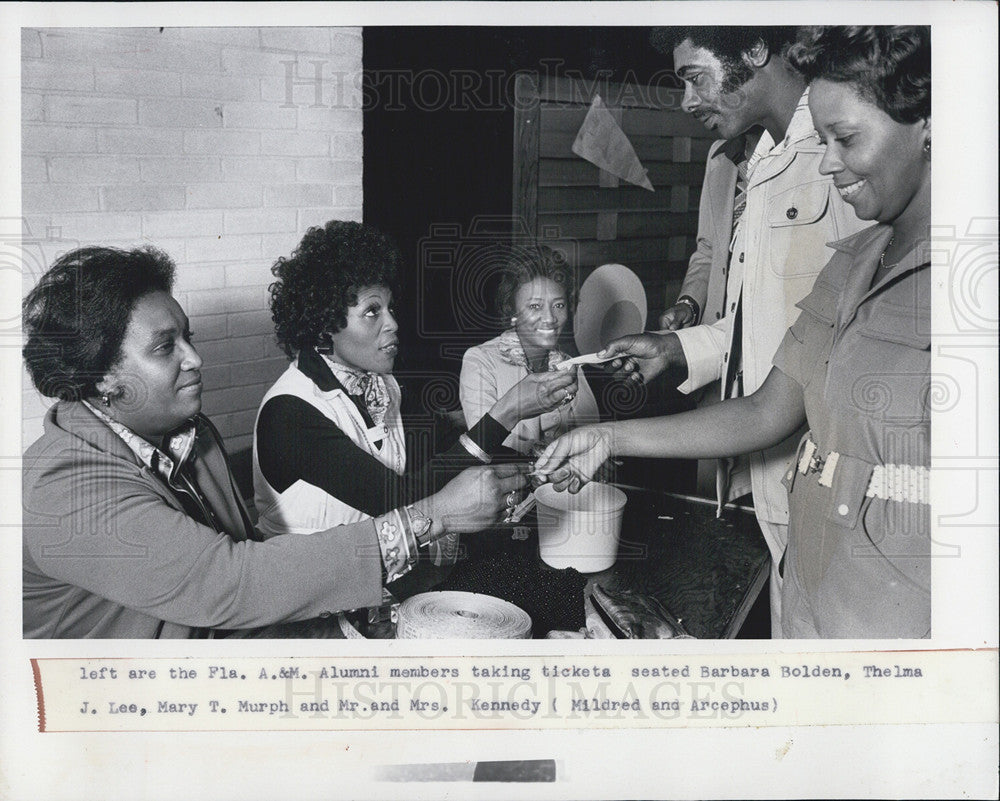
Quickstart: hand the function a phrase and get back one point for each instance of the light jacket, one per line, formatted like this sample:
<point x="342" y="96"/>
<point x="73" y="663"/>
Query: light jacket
<point x="791" y="213"/>
<point x="705" y="279"/>
<point x="108" y="550"/>
<point x="304" y="508"/>
<point x="486" y="377"/>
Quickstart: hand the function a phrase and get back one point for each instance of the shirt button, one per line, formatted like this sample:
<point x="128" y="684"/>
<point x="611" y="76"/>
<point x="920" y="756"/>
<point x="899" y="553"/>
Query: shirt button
<point x="792" y="213"/>
<point x="741" y="257"/>
<point x="732" y="307"/>
<point x="842" y="510"/>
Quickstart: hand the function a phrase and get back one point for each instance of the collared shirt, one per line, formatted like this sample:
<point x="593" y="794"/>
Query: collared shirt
<point x="705" y="346"/>
<point x="397" y="543"/>
<point x="167" y="464"/>
<point x="860" y="566"/>
<point x="862" y="353"/>
<point x="799" y="126"/>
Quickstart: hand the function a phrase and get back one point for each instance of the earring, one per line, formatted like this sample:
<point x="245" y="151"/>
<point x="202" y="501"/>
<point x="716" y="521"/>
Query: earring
<point x="324" y="344"/>
<point x="105" y="399"/>
<point x="927" y="148"/>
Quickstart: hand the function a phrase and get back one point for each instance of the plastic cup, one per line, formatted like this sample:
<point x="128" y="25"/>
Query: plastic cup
<point x="582" y="530"/>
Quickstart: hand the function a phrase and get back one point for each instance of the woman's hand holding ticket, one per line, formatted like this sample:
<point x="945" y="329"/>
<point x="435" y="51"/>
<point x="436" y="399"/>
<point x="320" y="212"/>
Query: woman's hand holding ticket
<point x="571" y="461"/>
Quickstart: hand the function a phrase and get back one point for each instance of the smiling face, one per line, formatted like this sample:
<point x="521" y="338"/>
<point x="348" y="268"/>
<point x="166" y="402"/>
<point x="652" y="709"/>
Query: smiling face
<point x="368" y="342"/>
<point x="878" y="165"/>
<point x="541" y="310"/>
<point x="707" y="96"/>
<point x="156" y="384"/>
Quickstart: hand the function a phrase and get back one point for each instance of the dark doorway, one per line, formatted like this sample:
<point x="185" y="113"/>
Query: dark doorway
<point x="438" y="138"/>
<point x="438" y="171"/>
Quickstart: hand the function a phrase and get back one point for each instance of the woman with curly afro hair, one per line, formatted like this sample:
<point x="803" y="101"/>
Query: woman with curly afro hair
<point x="329" y="442"/>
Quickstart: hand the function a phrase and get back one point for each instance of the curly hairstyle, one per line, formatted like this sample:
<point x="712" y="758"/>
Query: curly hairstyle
<point x="522" y="263"/>
<point x="728" y="43"/>
<point x="889" y="66"/>
<point x="320" y="281"/>
<point x="76" y="316"/>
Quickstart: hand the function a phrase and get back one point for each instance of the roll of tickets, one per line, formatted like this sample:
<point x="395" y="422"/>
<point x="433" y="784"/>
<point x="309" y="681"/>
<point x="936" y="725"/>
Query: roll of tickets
<point x="460" y="615"/>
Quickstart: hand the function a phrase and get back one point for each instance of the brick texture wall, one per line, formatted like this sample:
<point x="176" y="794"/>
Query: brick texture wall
<point x="206" y="143"/>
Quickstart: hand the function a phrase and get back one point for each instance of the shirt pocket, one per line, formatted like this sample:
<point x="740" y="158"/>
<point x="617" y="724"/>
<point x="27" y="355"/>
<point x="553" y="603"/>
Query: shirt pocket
<point x="821" y="302"/>
<point x="903" y="325"/>
<point x="799" y="226"/>
<point x="813" y="331"/>
<point x="890" y="365"/>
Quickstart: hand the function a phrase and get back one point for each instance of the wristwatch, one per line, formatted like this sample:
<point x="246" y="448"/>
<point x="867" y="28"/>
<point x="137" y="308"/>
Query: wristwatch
<point x="692" y="304"/>
<point x="420" y="525"/>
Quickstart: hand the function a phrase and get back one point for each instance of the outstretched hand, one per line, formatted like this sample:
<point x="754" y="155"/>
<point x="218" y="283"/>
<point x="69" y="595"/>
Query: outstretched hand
<point x="535" y="394"/>
<point x="572" y="460"/>
<point x="478" y="496"/>
<point x="639" y="357"/>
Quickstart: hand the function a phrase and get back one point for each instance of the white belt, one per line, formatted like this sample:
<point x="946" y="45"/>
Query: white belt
<point x="892" y="482"/>
<point x="900" y="482"/>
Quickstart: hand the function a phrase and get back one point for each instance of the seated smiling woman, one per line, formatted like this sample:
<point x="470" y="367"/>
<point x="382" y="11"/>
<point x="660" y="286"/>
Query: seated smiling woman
<point x="133" y="526"/>
<point x="502" y="378"/>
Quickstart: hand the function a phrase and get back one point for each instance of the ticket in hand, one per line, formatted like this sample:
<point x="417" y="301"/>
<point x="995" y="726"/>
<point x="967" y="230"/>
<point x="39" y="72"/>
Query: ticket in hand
<point x="589" y="358"/>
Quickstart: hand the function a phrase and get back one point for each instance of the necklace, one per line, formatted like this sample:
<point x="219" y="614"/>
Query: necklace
<point x="881" y="259"/>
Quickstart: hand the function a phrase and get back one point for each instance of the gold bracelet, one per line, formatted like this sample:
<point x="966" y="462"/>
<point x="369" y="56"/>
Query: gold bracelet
<point x="474" y="449"/>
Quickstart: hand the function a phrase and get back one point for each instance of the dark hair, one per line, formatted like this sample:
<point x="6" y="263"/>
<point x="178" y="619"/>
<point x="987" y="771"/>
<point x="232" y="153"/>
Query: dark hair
<point x="728" y="43"/>
<point x="320" y="280"/>
<point x="521" y="264"/>
<point x="889" y="66"/>
<point x="77" y="314"/>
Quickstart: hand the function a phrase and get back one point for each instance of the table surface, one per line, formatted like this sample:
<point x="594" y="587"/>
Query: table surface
<point x="706" y="571"/>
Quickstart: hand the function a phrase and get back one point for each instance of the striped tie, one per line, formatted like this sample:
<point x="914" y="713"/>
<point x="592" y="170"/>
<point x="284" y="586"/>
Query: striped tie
<point x="740" y="200"/>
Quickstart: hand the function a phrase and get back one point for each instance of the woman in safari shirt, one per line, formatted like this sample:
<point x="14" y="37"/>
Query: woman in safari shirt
<point x="855" y="366"/>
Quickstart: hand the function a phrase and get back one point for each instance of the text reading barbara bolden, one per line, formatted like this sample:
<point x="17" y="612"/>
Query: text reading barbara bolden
<point x="510" y="693"/>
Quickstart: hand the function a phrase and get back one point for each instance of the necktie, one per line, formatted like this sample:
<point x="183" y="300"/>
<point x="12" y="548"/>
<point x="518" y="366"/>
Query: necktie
<point x="740" y="200"/>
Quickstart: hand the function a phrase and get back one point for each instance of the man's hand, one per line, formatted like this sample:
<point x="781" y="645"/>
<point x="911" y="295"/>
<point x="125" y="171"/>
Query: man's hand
<point x="642" y="357"/>
<point x="678" y="316"/>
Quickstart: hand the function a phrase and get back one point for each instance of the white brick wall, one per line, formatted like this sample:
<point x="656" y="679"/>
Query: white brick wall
<point x="185" y="138"/>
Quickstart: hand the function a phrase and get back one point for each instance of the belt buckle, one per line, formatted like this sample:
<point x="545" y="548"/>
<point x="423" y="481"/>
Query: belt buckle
<point x="810" y="461"/>
<point x="816" y="463"/>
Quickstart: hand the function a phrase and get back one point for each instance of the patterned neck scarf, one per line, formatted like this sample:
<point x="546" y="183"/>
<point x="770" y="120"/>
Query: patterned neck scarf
<point x="167" y="462"/>
<point x="512" y="352"/>
<point x="370" y="387"/>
